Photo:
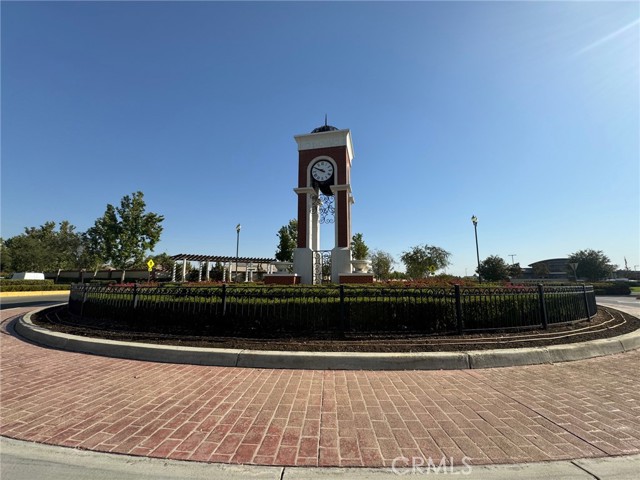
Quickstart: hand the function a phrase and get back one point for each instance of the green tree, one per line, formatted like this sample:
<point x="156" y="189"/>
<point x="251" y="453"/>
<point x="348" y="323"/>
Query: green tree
<point x="163" y="262"/>
<point x="493" y="269"/>
<point x="217" y="272"/>
<point x="44" y="248"/>
<point x="422" y="261"/>
<point x="398" y="276"/>
<point x="123" y="235"/>
<point x="515" y="270"/>
<point x="5" y="257"/>
<point x="382" y="264"/>
<point x="359" y="249"/>
<point x="67" y="247"/>
<point x="287" y="241"/>
<point x="592" y="265"/>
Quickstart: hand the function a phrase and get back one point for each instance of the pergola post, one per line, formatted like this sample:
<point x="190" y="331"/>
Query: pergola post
<point x="227" y="262"/>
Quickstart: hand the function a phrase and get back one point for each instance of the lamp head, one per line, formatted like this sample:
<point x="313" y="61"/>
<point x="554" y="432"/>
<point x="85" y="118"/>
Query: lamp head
<point x="238" y="227"/>
<point x="474" y="219"/>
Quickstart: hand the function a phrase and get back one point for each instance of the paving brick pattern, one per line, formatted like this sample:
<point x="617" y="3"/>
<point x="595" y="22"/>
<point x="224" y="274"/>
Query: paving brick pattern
<point x="589" y="408"/>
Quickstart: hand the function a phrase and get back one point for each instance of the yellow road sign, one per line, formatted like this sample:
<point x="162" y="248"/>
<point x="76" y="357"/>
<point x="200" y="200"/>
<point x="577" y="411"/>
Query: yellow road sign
<point x="150" y="264"/>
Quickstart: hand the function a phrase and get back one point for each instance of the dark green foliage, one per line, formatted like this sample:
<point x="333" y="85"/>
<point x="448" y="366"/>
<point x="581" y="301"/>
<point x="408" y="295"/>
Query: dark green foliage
<point x="5" y="257"/>
<point x="217" y="272"/>
<point x="30" y="285"/>
<point x="45" y="248"/>
<point x="287" y="241"/>
<point x="493" y="269"/>
<point x="592" y="265"/>
<point x="163" y="262"/>
<point x="423" y="261"/>
<point x="359" y="249"/>
<point x="382" y="264"/>
<point x="612" y="288"/>
<point x="121" y="236"/>
<point x="515" y="270"/>
<point x="124" y="234"/>
<point x="8" y="281"/>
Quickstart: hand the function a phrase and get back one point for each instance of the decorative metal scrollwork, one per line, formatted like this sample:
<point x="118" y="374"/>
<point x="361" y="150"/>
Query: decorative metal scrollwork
<point x="326" y="207"/>
<point x="321" y="266"/>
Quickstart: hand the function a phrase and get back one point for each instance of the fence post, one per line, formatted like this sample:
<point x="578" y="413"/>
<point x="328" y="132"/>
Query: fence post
<point x="342" y="310"/>
<point x="135" y="296"/>
<point x="543" y="307"/>
<point x="84" y="299"/>
<point x="586" y="301"/>
<point x="224" y="299"/>
<point x="459" y="320"/>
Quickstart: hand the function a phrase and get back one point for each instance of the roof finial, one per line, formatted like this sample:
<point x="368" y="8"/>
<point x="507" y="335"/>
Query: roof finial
<point x="324" y="128"/>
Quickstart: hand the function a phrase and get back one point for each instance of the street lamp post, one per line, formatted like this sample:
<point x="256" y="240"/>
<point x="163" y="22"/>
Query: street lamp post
<point x="474" y="219"/>
<point x="238" y="227"/>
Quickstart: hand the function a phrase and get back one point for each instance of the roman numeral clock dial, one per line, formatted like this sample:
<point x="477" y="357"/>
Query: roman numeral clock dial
<point x="322" y="171"/>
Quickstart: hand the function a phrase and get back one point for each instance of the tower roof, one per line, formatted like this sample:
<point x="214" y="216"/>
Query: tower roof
<point x="324" y="128"/>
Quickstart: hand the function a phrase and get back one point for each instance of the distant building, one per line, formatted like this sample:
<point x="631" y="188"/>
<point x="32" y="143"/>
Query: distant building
<point x="629" y="274"/>
<point x="552" y="269"/>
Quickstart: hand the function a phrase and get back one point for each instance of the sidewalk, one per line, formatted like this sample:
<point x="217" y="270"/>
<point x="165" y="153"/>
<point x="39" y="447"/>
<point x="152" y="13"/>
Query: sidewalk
<point x="322" y="418"/>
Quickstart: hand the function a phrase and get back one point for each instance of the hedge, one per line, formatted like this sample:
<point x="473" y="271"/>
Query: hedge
<point x="612" y="288"/>
<point x="8" y="281"/>
<point x="31" y="286"/>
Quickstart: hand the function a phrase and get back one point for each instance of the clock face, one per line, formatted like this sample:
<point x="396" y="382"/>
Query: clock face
<point x="322" y="170"/>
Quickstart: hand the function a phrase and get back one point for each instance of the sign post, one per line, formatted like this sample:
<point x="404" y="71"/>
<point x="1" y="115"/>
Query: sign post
<point x="150" y="265"/>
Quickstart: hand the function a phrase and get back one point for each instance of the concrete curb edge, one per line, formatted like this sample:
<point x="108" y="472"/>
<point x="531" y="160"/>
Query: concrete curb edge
<point x="326" y="360"/>
<point x="33" y="294"/>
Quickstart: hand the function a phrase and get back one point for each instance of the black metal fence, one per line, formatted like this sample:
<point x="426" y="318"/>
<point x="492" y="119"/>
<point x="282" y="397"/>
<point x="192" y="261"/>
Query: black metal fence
<point x="274" y="311"/>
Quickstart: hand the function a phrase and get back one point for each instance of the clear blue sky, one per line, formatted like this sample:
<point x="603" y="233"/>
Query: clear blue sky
<point x="525" y="114"/>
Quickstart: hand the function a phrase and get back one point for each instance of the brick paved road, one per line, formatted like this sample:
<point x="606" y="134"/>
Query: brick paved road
<point x="327" y="418"/>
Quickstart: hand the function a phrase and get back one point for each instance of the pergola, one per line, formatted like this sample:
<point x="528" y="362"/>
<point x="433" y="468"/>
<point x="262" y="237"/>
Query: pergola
<point x="247" y="263"/>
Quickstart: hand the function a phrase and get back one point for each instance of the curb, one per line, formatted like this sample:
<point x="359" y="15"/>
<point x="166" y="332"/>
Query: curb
<point x="326" y="360"/>
<point x="33" y="294"/>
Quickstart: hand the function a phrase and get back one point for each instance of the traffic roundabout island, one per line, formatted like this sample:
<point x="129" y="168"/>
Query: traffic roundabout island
<point x="608" y="332"/>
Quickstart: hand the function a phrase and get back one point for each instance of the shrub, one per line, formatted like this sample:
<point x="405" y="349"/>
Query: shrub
<point x="6" y="281"/>
<point x="32" y="286"/>
<point x="612" y="288"/>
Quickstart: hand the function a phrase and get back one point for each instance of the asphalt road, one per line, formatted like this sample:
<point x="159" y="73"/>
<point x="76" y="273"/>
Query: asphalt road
<point x="35" y="301"/>
<point x="626" y="303"/>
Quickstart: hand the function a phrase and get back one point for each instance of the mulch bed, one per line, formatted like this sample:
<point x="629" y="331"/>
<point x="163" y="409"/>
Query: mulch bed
<point x="607" y="323"/>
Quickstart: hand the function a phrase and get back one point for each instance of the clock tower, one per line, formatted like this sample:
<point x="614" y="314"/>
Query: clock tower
<point x="324" y="196"/>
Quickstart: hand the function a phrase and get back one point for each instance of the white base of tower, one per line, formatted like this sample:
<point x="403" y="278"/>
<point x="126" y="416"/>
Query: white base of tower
<point x="340" y="263"/>
<point x="303" y="264"/>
